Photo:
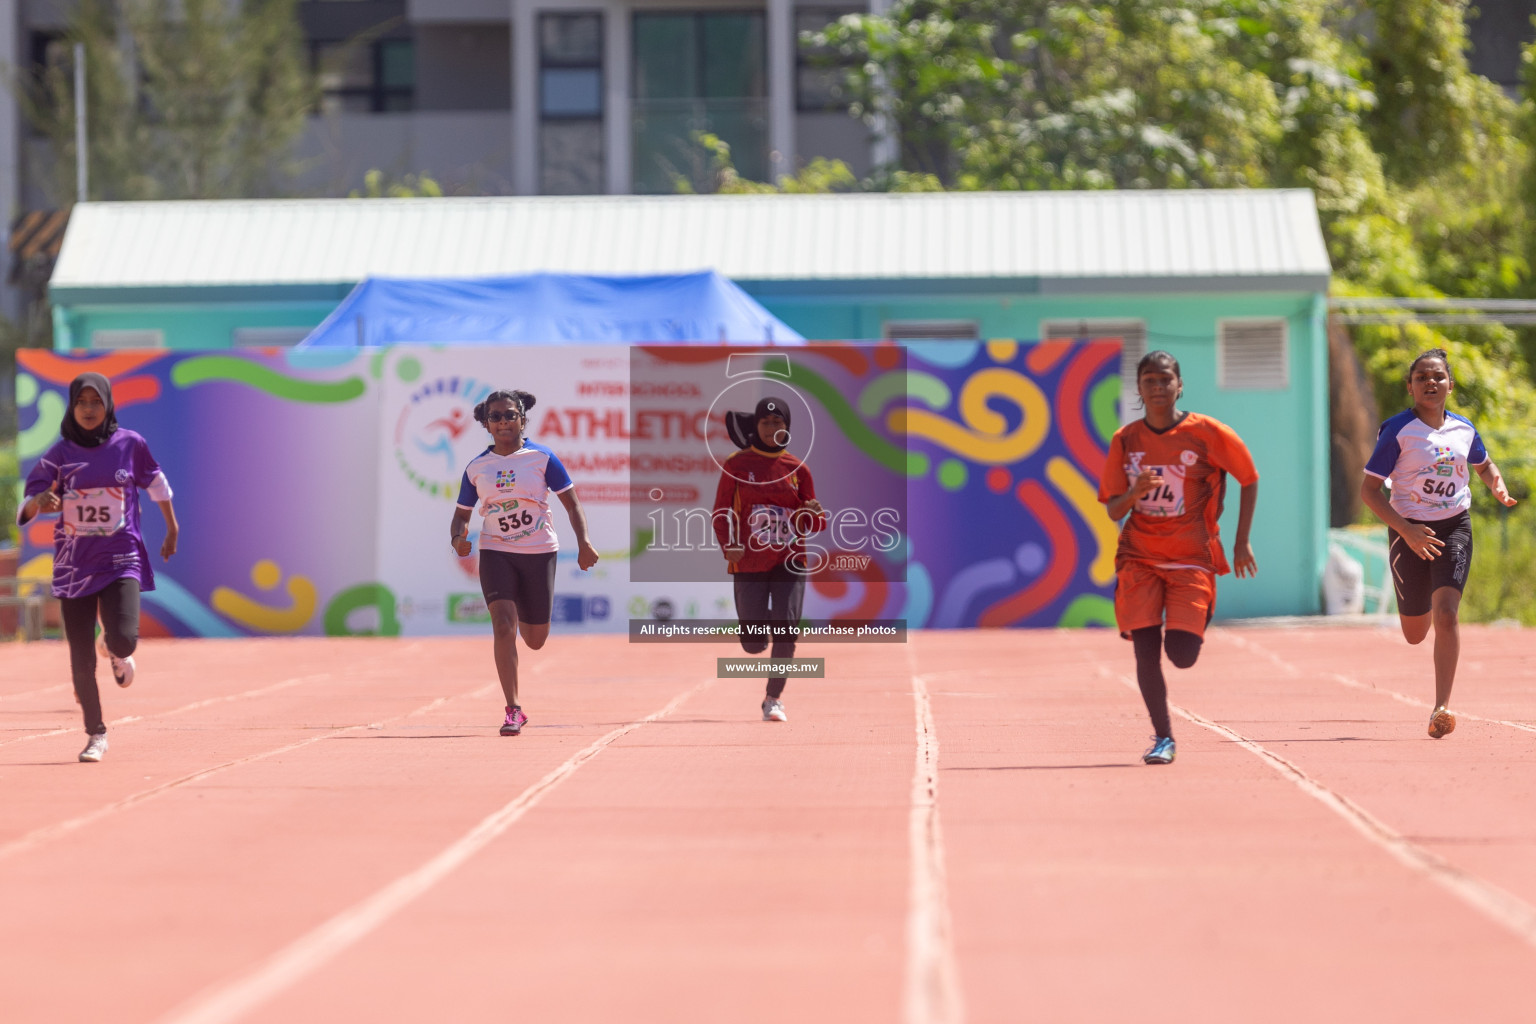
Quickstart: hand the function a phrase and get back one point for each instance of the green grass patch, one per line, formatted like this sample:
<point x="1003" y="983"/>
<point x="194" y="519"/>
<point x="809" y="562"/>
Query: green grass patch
<point x="1503" y="580"/>
<point x="10" y="492"/>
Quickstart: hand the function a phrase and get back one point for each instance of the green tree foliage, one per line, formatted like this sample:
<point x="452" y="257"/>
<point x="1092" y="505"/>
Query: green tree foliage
<point x="818" y="176"/>
<point x="186" y="99"/>
<point x="1425" y="116"/>
<point x="1422" y="170"/>
<point x="1418" y="164"/>
<point x="376" y="186"/>
<point x="10" y="486"/>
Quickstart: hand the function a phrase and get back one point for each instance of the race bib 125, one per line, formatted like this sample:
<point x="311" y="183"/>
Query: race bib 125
<point x="93" y="511"/>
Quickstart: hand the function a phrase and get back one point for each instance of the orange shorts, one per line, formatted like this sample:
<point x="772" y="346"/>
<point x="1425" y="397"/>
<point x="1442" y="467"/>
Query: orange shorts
<point x="1146" y="595"/>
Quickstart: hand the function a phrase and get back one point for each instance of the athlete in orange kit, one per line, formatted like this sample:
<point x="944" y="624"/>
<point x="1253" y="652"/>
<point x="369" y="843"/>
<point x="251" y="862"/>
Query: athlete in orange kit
<point x="1166" y="476"/>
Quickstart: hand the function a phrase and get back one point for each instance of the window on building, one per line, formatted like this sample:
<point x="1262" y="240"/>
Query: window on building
<point x="48" y="51"/>
<point x="128" y="337"/>
<point x="931" y="330"/>
<point x="268" y="337"/>
<point x="1133" y="345"/>
<point x="819" y="73"/>
<point x="1251" y="355"/>
<point x="570" y="103"/>
<point x="365" y="78"/>
<point x="698" y="72"/>
<point x="570" y="65"/>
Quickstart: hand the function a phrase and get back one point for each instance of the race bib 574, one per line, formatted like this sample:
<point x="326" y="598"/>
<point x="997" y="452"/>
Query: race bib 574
<point x="1166" y="498"/>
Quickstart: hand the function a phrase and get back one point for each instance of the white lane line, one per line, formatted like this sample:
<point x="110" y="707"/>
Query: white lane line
<point x="208" y="702"/>
<point x="37" y="837"/>
<point x="57" y="687"/>
<point x="1356" y="684"/>
<point x="932" y="993"/>
<point x="313" y="950"/>
<point x="1500" y="905"/>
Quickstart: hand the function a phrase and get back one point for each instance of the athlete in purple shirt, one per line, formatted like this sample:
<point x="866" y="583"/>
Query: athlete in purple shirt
<point x="92" y="477"/>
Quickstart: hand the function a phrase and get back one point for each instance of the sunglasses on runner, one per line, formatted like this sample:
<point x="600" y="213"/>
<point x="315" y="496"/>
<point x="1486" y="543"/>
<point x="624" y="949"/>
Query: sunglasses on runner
<point x="497" y="417"/>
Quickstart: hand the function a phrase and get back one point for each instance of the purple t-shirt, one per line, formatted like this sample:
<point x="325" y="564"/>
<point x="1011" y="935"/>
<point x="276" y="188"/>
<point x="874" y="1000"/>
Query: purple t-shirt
<point x="97" y="539"/>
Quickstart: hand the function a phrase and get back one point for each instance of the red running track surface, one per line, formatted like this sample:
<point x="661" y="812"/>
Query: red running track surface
<point x="955" y="829"/>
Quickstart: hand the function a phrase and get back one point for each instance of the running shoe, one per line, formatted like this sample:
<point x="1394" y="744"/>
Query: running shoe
<point x="773" y="710"/>
<point x="122" y="668"/>
<point x="94" y="749"/>
<point x="1441" y="723"/>
<point x="515" y="722"/>
<point x="1161" y="752"/>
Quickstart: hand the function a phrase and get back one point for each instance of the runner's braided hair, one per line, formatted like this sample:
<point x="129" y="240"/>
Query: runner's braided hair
<point x="522" y="401"/>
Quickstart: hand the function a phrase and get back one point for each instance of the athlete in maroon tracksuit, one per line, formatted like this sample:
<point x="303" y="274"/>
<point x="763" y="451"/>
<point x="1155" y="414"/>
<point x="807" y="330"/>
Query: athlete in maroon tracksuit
<point x="764" y="507"/>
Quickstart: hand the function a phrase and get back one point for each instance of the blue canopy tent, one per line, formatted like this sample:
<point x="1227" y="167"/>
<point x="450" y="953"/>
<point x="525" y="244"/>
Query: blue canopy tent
<point x="548" y="309"/>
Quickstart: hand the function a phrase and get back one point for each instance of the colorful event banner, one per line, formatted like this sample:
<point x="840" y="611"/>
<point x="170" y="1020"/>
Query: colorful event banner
<point x="315" y="490"/>
<point x="426" y="399"/>
<point x="680" y="450"/>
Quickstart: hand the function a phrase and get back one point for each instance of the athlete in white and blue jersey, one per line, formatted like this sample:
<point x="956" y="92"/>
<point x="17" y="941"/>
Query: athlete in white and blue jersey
<point x="1428" y="455"/>
<point x="1428" y="465"/>
<point x="510" y="484"/>
<point x="512" y="494"/>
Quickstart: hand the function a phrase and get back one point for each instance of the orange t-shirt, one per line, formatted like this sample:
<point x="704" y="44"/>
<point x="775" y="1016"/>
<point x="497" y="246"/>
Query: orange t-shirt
<point x="1175" y="524"/>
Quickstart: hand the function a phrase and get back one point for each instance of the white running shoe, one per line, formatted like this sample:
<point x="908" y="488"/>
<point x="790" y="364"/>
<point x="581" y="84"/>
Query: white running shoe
<point x="122" y="668"/>
<point x="94" y="749"/>
<point x="773" y="710"/>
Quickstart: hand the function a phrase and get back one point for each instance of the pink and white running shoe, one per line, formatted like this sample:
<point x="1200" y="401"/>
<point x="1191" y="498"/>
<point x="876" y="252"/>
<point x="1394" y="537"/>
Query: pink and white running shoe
<point x="515" y="722"/>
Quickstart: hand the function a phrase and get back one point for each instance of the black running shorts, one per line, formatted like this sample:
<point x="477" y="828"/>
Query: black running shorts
<point x="1416" y="579"/>
<point x="527" y="579"/>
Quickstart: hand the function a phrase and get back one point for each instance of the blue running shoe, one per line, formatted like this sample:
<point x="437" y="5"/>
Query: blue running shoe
<point x="1162" y="751"/>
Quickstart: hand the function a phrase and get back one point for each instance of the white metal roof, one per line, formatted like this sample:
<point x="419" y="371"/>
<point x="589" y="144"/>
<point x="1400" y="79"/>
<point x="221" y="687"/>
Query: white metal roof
<point x="1190" y="233"/>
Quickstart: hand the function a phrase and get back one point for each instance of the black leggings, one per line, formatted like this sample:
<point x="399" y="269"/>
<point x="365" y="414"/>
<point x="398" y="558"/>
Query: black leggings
<point x="1183" y="648"/>
<point x="770" y="598"/>
<point x="118" y="606"/>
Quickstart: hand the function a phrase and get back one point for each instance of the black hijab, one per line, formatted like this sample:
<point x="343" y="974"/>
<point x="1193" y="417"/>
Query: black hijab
<point x="742" y="426"/>
<point x="71" y="430"/>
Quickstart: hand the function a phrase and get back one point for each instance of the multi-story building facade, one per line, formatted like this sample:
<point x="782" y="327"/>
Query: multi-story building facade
<point x="530" y="97"/>
<point x="520" y="97"/>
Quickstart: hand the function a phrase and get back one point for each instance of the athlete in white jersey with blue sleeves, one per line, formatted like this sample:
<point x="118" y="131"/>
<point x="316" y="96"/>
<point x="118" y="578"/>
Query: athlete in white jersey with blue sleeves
<point x="510" y="483"/>
<point x="1426" y="453"/>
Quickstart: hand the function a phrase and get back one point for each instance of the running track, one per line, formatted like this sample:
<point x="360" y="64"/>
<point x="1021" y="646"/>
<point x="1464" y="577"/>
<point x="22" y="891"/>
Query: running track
<point x="958" y="829"/>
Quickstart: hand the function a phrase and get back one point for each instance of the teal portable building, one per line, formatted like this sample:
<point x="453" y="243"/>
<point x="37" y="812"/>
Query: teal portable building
<point x="1232" y="282"/>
